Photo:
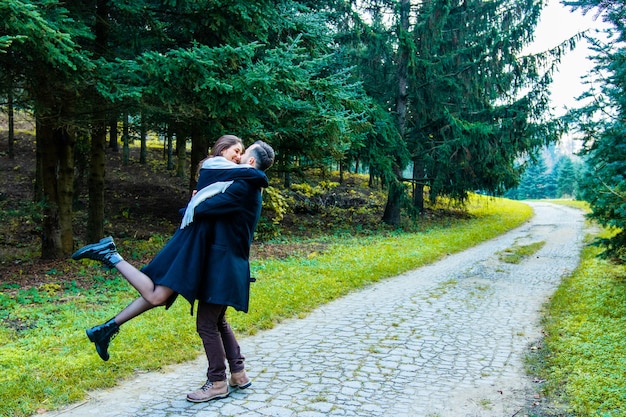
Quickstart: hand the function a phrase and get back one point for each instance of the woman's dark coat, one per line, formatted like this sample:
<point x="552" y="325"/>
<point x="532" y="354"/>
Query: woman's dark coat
<point x="209" y="259"/>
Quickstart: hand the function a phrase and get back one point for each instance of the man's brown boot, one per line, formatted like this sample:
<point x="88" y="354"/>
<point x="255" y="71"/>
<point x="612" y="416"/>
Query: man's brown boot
<point x="209" y="391"/>
<point x="239" y="380"/>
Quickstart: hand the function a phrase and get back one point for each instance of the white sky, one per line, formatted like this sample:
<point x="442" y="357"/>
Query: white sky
<point x="557" y="24"/>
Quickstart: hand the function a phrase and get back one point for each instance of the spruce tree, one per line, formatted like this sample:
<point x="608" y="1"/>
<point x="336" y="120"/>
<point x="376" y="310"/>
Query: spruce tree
<point x="567" y="179"/>
<point x="602" y="124"/>
<point x="474" y="105"/>
<point x="478" y="104"/>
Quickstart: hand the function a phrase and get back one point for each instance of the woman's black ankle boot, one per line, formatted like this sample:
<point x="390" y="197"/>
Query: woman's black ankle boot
<point x="101" y="335"/>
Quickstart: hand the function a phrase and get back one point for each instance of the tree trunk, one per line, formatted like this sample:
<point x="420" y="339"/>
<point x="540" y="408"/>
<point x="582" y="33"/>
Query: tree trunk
<point x="97" y="163"/>
<point x="170" y="150"/>
<point x="57" y="147"/>
<point x="199" y="151"/>
<point x="113" y="143"/>
<point x="97" y="160"/>
<point x="391" y="215"/>
<point x="341" y="172"/>
<point x="418" y="190"/>
<point x="403" y="61"/>
<point x="181" y="152"/>
<point x="125" y="141"/>
<point x="143" y="153"/>
<point x="38" y="185"/>
<point x="286" y="169"/>
<point x="11" y="121"/>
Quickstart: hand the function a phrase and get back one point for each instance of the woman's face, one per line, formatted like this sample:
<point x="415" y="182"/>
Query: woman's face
<point x="233" y="153"/>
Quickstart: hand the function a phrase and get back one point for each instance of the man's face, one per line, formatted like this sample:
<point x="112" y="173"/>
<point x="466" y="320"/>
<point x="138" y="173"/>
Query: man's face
<point x="245" y="158"/>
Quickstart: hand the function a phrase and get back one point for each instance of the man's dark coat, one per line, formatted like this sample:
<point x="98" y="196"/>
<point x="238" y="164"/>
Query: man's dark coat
<point x="209" y="259"/>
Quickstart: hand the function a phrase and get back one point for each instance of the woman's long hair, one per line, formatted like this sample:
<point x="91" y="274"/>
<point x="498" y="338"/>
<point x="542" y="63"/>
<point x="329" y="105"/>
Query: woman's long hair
<point x="221" y="144"/>
<point x="225" y="142"/>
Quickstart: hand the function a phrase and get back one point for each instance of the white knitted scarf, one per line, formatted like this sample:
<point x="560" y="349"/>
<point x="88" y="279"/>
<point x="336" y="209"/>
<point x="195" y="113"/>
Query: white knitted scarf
<point x="218" y="162"/>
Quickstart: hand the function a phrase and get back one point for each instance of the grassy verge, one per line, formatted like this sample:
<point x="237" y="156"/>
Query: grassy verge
<point x="583" y="359"/>
<point x="584" y="354"/>
<point x="47" y="361"/>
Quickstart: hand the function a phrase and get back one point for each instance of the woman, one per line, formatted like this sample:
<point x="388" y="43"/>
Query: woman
<point x="179" y="268"/>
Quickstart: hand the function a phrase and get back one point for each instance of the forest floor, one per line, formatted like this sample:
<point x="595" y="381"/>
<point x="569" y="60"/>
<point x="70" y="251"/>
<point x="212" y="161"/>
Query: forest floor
<point x="142" y="200"/>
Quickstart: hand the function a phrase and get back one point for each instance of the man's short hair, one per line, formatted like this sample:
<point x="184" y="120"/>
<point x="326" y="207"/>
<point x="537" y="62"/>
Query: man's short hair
<point x="263" y="154"/>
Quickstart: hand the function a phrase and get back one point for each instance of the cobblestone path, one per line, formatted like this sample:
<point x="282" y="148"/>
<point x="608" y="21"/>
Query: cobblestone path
<point x="445" y="340"/>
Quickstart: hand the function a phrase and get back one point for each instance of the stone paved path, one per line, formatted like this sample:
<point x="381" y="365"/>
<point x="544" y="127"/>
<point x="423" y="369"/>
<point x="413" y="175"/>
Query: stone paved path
<point x="446" y="340"/>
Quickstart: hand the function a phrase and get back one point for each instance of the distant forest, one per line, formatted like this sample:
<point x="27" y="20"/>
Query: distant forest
<point x="551" y="175"/>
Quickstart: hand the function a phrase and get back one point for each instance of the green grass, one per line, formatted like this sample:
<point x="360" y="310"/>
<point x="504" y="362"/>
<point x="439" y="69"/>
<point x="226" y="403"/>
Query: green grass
<point x="583" y="205"/>
<point x="584" y="357"/>
<point x="516" y="253"/>
<point x="46" y="361"/>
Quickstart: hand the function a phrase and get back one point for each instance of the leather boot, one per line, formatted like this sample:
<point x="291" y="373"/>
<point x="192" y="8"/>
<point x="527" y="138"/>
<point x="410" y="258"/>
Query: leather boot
<point x="209" y="391"/>
<point x="239" y="380"/>
<point x="101" y="335"/>
<point x="103" y="251"/>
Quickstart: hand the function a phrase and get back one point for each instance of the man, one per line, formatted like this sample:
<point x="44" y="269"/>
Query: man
<point x="233" y="215"/>
<point x="208" y="261"/>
